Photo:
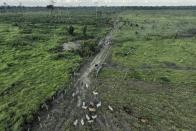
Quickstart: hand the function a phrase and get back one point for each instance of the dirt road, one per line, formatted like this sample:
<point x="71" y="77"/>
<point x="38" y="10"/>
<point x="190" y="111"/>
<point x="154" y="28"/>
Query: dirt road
<point x="77" y="108"/>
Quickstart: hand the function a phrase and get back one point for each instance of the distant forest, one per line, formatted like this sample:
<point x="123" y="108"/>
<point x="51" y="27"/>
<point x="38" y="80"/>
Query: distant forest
<point x="23" y="8"/>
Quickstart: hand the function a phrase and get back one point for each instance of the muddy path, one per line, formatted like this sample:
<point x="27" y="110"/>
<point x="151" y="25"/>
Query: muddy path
<point x="77" y="108"/>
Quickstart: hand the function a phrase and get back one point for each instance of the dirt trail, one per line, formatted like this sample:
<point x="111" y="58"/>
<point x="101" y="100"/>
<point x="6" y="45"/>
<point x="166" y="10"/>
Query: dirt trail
<point x="66" y="110"/>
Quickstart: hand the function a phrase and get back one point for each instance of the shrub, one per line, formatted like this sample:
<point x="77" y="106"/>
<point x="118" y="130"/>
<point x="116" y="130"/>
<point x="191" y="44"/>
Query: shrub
<point x="84" y="30"/>
<point x="71" y="30"/>
<point x="164" y="79"/>
<point x="88" y="48"/>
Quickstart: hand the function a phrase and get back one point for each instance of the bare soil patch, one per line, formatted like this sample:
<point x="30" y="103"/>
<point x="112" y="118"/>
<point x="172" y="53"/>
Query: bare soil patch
<point x="71" y="46"/>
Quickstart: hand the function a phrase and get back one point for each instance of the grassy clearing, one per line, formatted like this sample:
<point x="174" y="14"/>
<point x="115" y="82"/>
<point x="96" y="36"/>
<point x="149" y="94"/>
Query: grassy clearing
<point x="33" y="66"/>
<point x="151" y="77"/>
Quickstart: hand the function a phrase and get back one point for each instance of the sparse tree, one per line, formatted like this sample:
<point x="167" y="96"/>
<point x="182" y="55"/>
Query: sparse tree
<point x="20" y="6"/>
<point x="5" y="6"/>
<point x="96" y="4"/>
<point x="51" y="6"/>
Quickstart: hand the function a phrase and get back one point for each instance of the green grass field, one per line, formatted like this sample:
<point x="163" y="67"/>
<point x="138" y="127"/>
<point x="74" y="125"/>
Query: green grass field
<point x="33" y="66"/>
<point x="150" y="79"/>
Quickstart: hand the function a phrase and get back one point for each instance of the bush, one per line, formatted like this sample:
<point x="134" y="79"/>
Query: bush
<point x="136" y="75"/>
<point x="84" y="30"/>
<point x="71" y="30"/>
<point x="88" y="48"/>
<point x="164" y="79"/>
